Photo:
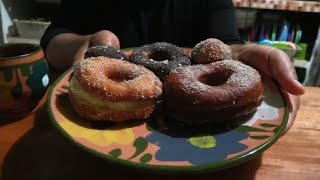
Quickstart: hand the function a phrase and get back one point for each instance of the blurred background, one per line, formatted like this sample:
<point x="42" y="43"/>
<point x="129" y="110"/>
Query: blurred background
<point x="290" y="25"/>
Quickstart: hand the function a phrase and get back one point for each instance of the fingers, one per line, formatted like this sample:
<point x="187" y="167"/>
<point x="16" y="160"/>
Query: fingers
<point x="272" y="62"/>
<point x="128" y="53"/>
<point x="283" y="71"/>
<point x="79" y="55"/>
<point x="294" y="104"/>
<point x="104" y="37"/>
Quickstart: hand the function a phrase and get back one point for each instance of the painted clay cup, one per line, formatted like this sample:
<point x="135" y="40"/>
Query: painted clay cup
<point x="24" y="79"/>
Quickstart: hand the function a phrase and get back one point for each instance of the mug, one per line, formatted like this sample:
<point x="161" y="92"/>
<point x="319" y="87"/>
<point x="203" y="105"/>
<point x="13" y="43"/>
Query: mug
<point x="24" y="79"/>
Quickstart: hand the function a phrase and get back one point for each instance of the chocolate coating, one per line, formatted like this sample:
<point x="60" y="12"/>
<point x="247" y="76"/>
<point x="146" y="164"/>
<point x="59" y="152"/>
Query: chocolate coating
<point x="106" y="51"/>
<point x="160" y="57"/>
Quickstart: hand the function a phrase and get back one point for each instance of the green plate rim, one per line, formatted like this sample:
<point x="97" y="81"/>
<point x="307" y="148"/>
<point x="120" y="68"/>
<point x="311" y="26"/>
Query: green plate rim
<point x="163" y="169"/>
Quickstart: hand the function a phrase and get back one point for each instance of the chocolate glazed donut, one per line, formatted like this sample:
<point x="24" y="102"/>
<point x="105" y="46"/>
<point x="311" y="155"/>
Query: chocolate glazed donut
<point x="106" y="51"/>
<point x="212" y="93"/>
<point x="160" y="57"/>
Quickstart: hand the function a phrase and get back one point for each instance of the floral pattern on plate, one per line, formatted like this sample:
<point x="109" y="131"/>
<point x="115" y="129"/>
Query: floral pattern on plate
<point x="159" y="143"/>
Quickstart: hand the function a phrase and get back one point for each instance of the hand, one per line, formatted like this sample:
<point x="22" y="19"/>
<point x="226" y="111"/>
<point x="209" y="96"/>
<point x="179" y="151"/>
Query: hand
<point x="277" y="65"/>
<point x="103" y="37"/>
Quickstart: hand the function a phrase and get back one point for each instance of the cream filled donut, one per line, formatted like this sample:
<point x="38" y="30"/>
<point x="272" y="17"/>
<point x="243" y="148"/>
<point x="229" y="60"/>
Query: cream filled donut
<point x="104" y="88"/>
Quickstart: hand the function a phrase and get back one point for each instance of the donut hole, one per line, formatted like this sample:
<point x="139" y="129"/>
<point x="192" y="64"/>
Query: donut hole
<point x="121" y="76"/>
<point x="215" y="78"/>
<point x="159" y="56"/>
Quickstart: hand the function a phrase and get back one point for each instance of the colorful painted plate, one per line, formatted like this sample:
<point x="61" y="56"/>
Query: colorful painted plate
<point x="162" y="145"/>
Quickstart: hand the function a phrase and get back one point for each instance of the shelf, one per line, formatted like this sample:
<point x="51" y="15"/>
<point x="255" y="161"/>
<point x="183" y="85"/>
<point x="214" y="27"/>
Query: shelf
<point x="241" y="3"/>
<point x="22" y="40"/>
<point x="289" y="5"/>
<point x="301" y="64"/>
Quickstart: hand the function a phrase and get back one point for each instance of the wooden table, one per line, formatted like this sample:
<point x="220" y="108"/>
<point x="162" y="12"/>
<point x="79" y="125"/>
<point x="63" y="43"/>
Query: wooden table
<point x="31" y="148"/>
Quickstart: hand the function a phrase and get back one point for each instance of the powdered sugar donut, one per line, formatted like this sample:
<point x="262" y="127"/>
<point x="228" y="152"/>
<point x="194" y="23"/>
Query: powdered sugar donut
<point x="213" y="93"/>
<point x="210" y="50"/>
<point x="108" y="89"/>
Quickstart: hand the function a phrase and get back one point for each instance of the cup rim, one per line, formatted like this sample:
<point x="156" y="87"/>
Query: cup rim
<point x="22" y="55"/>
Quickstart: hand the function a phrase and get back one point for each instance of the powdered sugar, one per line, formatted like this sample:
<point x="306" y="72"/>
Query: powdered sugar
<point x="242" y="76"/>
<point x="116" y="80"/>
<point x="210" y="50"/>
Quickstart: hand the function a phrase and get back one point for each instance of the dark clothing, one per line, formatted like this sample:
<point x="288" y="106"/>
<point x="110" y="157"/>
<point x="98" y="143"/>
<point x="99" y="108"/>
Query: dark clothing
<point x="181" y="22"/>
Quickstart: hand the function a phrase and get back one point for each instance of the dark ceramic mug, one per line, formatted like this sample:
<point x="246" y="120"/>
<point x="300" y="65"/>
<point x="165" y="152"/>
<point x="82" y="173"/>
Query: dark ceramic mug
<point x="24" y="79"/>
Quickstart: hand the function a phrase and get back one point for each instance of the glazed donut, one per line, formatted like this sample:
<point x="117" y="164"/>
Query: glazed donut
<point x="160" y="57"/>
<point x="210" y="50"/>
<point x="106" y="51"/>
<point x="103" y="88"/>
<point x="212" y="93"/>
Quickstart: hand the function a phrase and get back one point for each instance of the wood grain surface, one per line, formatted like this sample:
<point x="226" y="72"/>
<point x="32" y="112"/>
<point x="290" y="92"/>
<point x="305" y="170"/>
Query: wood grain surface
<point x="31" y="148"/>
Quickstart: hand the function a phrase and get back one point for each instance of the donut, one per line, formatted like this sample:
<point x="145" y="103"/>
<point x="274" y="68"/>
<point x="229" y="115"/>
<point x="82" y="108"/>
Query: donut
<point x="160" y="57"/>
<point x="210" y="50"/>
<point x="218" y="92"/>
<point x="106" y="89"/>
<point x="106" y="51"/>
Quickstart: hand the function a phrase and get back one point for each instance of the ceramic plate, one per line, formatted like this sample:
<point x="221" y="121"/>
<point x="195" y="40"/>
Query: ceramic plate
<point x="163" y="145"/>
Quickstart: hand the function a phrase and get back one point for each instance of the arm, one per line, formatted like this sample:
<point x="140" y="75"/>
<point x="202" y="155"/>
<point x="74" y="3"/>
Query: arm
<point x="74" y="28"/>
